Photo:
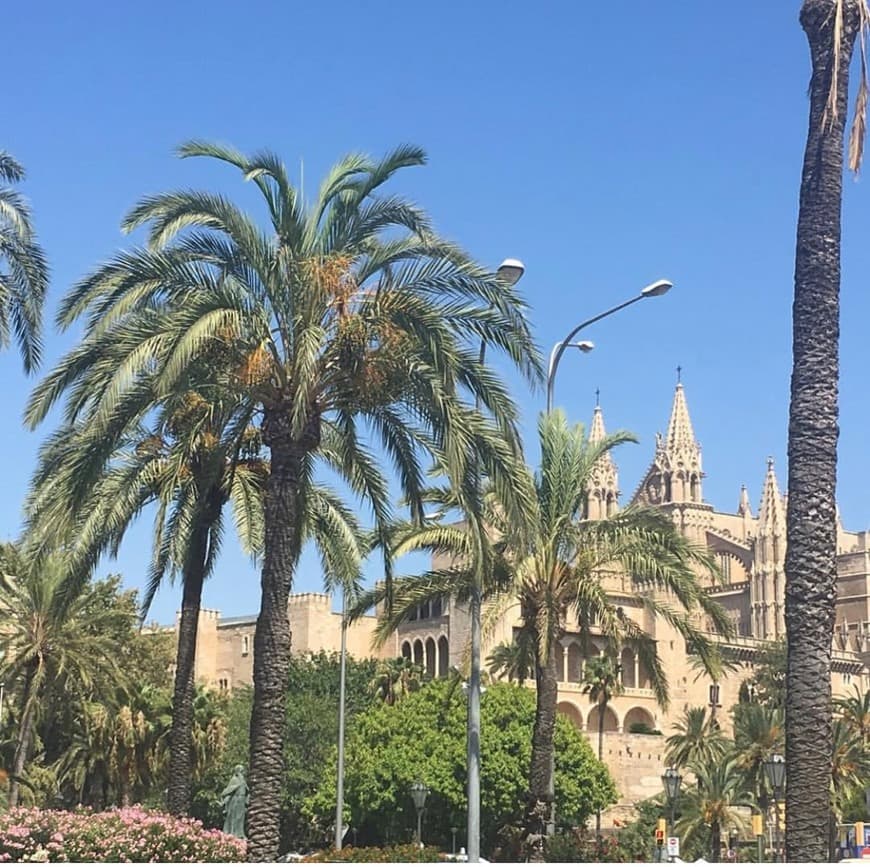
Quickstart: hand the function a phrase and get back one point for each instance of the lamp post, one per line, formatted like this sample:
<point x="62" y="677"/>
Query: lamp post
<point x="672" y="780"/>
<point x="774" y="768"/>
<point x="714" y="703"/>
<point x="651" y="291"/>
<point x="339" y="786"/>
<point x="509" y="272"/>
<point x="418" y="796"/>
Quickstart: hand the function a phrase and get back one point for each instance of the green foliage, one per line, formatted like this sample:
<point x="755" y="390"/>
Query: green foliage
<point x="696" y="740"/>
<point x="423" y="737"/>
<point x="636" y="840"/>
<point x="310" y="737"/>
<point x="407" y="852"/>
<point x="767" y="683"/>
<point x="23" y="269"/>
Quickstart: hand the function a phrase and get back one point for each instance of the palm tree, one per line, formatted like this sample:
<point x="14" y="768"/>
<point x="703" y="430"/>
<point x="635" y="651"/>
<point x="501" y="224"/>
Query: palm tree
<point x="514" y="660"/>
<point x="831" y="27"/>
<point x="854" y="710"/>
<point x="355" y="323"/>
<point x="697" y="740"/>
<point x="200" y="453"/>
<point x="601" y="681"/>
<point x="540" y="553"/>
<point x="395" y="678"/>
<point x="23" y="269"/>
<point x="850" y="767"/>
<point x="49" y="637"/>
<point x="709" y="808"/>
<point x="759" y="732"/>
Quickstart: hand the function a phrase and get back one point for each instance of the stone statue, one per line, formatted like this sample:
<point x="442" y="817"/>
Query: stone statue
<point x="234" y="800"/>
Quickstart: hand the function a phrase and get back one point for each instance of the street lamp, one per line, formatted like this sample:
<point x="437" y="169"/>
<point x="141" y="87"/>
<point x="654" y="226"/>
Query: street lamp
<point x="774" y="768"/>
<point x="651" y="291"/>
<point x="418" y="796"/>
<point x="509" y="272"/>
<point x="672" y="781"/>
<point x="714" y="702"/>
<point x="339" y="787"/>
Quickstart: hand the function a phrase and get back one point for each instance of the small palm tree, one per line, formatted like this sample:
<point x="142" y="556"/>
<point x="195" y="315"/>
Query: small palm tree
<point x="514" y="660"/>
<point x="49" y="637"/>
<point x="23" y="269"/>
<point x="854" y="710"/>
<point x="697" y="740"/>
<point x="395" y="678"/>
<point x="759" y="733"/>
<point x="601" y="682"/>
<point x="710" y="809"/>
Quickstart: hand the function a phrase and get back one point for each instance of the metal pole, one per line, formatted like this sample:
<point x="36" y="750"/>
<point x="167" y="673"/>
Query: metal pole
<point x="473" y="746"/>
<point x="759" y="845"/>
<point x="559" y="348"/>
<point x="339" y="786"/>
<point x="419" y="827"/>
<point x="2" y="687"/>
<point x="673" y="822"/>
<point x="776" y="846"/>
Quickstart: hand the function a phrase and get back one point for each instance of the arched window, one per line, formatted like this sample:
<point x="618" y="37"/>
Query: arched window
<point x="575" y="663"/>
<point x="443" y="656"/>
<point x="246" y="645"/>
<point x="436" y="607"/>
<point x="431" y="657"/>
<point x="406" y="649"/>
<point x="611" y="724"/>
<point x="626" y="661"/>
<point x="418" y="652"/>
<point x="424" y="611"/>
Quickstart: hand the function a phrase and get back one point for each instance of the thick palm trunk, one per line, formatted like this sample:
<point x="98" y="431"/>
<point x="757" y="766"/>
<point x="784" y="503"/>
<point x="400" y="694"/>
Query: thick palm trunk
<point x="602" y="706"/>
<point x="272" y="635"/>
<point x="538" y="807"/>
<point x="715" y="842"/>
<point x="181" y="736"/>
<point x="812" y="442"/>
<point x="25" y="735"/>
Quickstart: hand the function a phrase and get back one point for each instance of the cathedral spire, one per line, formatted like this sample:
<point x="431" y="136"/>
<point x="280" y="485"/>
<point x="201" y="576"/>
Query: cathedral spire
<point x="768" y="587"/>
<point x="771" y="513"/>
<point x="681" y="454"/>
<point x="744" y="509"/>
<point x="603" y="493"/>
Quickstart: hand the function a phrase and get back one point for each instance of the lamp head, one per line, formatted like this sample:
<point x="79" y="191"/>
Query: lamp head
<point x="774" y="767"/>
<point x="584" y="345"/>
<point x="672" y="780"/>
<point x="419" y="791"/>
<point x="510" y="271"/>
<point x="656" y="289"/>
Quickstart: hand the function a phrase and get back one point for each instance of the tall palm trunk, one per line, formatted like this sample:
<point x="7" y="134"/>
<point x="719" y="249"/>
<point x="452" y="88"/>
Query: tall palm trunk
<point x="181" y="735"/>
<point x="538" y="808"/>
<point x="602" y="707"/>
<point x="272" y="635"/>
<point x="812" y="440"/>
<point x="25" y="734"/>
<point x="715" y="841"/>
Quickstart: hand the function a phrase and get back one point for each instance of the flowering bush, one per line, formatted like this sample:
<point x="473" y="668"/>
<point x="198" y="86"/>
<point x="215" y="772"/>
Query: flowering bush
<point x="128" y="835"/>
<point x="376" y="855"/>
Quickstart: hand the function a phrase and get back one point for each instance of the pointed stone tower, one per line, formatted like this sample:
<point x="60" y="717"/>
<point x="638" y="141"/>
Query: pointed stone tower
<point x="603" y="496"/>
<point x="674" y="477"/>
<point x="767" y="596"/>
<point x="744" y="509"/>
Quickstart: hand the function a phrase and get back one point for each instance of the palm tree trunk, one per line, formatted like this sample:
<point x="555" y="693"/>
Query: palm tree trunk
<point x="181" y="734"/>
<point x="25" y="735"/>
<point x="538" y="807"/>
<point x="272" y="635"/>
<point x="715" y="842"/>
<point x="812" y="441"/>
<point x="602" y="707"/>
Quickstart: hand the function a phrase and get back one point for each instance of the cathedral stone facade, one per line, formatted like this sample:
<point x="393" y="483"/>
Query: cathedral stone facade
<point x="750" y="547"/>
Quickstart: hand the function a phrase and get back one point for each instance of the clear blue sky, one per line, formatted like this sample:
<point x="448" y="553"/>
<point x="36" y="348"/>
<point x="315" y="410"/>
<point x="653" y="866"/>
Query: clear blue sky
<point x="604" y="144"/>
